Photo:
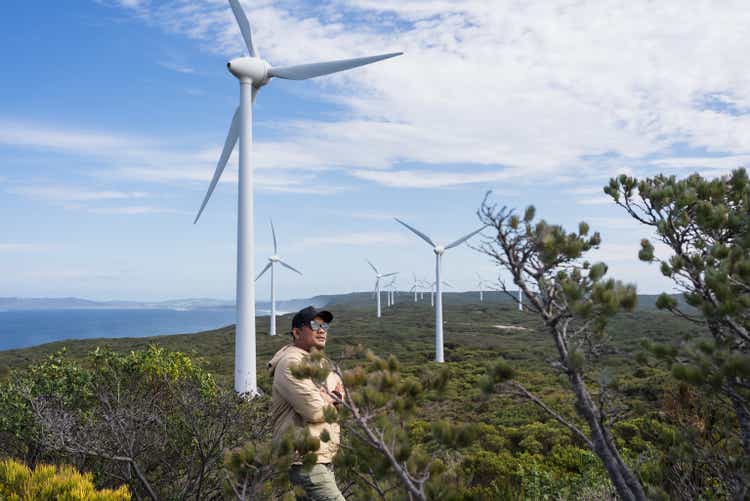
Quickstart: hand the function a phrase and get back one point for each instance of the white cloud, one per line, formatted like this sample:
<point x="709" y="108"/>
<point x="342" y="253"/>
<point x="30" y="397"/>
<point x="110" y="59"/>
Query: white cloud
<point x="726" y="162"/>
<point x="613" y="223"/>
<point x="538" y="85"/>
<point x="610" y="252"/>
<point x="57" y="193"/>
<point x="179" y="68"/>
<point x="533" y="88"/>
<point x="429" y="179"/>
<point x="71" y="274"/>
<point x="16" y="133"/>
<point x="133" y="210"/>
<point x="22" y="247"/>
<point x="600" y="200"/>
<point x="363" y="239"/>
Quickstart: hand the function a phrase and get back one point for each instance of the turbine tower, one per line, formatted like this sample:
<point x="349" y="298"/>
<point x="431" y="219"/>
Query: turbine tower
<point x="271" y="262"/>
<point x="414" y="287"/>
<point x="432" y="291"/>
<point x="378" y="276"/>
<point x="439" y="250"/>
<point x="253" y="73"/>
<point x="480" y="284"/>
<point x="389" y="291"/>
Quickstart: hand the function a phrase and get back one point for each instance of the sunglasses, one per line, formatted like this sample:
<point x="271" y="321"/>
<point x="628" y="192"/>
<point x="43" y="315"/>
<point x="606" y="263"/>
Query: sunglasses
<point x="316" y="326"/>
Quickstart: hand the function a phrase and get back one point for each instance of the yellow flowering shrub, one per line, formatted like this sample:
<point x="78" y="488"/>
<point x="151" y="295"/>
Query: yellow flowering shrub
<point x="18" y="482"/>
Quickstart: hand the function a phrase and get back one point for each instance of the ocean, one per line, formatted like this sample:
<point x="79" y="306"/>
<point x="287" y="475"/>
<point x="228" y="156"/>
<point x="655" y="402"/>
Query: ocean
<point x="20" y="329"/>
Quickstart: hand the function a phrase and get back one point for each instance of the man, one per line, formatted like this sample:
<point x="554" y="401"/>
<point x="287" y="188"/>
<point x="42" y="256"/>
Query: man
<point x="297" y="404"/>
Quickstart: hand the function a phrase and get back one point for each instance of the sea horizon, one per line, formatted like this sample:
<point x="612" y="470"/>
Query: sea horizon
<point x="27" y="328"/>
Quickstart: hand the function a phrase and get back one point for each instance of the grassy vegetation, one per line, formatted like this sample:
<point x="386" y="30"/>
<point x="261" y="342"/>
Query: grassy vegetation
<point x="472" y="336"/>
<point x="524" y="452"/>
<point x="475" y="334"/>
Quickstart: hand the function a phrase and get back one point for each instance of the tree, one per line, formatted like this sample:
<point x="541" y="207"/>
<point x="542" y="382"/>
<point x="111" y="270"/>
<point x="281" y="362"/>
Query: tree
<point x="374" y="413"/>
<point x="574" y="301"/>
<point x="258" y="470"/>
<point x="704" y="228"/>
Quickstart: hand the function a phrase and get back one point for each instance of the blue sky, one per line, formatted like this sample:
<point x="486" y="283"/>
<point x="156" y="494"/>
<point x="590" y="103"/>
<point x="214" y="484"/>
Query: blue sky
<point x="113" y="113"/>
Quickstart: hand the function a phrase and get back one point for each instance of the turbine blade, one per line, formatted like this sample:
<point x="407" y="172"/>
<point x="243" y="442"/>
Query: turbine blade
<point x="273" y="232"/>
<point x="417" y="232"/>
<point x="282" y="263"/>
<point x="388" y="274"/>
<point x="264" y="270"/>
<point x="447" y="284"/>
<point x="247" y="33"/>
<point x="228" y="147"/>
<point x="373" y="267"/>
<point x="464" y="239"/>
<point x="305" y="71"/>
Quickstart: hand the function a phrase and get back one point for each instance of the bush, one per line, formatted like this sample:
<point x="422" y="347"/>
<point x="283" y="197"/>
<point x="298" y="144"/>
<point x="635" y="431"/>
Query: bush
<point x="151" y="417"/>
<point x="64" y="483"/>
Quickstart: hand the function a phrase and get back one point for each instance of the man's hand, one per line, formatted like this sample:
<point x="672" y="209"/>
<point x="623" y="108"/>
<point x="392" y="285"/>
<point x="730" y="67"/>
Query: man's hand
<point x="339" y="390"/>
<point x="326" y="397"/>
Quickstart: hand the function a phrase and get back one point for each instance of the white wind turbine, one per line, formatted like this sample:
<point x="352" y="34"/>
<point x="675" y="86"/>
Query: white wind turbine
<point x="480" y="284"/>
<point x="389" y="291"/>
<point x="414" y="287"/>
<point x="253" y="73"/>
<point x="424" y="284"/>
<point x="271" y="262"/>
<point x="439" y="250"/>
<point x="378" y="276"/>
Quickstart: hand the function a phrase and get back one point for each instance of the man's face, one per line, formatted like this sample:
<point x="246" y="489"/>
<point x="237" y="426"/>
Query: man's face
<point x="306" y="338"/>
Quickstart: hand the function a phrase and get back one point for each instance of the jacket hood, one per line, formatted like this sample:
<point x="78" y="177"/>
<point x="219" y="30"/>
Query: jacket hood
<point x="283" y="352"/>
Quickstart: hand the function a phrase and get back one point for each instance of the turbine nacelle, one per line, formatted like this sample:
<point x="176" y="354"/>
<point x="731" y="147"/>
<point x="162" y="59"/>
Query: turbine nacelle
<point x="252" y="68"/>
<point x="274" y="259"/>
<point x="438" y="249"/>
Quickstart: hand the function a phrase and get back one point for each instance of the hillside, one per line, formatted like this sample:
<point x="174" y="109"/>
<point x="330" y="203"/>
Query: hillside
<point x="474" y="331"/>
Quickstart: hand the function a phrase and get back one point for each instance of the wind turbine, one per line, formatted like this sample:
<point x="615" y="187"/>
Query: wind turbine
<point x="424" y="284"/>
<point x="414" y="287"/>
<point x="480" y="284"/>
<point x="439" y="250"/>
<point x="378" y="276"/>
<point x="271" y="262"/>
<point x="253" y="73"/>
<point x="389" y="293"/>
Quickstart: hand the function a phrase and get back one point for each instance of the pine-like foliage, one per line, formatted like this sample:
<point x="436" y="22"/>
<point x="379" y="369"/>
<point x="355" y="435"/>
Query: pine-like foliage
<point x="380" y="456"/>
<point x="18" y="482"/>
<point x="703" y="228"/>
<point x="574" y="300"/>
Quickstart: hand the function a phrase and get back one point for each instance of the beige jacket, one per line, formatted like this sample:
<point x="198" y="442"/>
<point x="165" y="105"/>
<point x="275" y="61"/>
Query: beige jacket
<point x="296" y="403"/>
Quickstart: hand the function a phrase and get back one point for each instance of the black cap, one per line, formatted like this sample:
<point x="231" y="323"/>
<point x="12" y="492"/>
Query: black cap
<point x="303" y="316"/>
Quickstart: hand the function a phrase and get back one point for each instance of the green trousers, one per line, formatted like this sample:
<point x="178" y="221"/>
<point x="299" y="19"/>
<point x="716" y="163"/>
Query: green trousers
<point x="319" y="483"/>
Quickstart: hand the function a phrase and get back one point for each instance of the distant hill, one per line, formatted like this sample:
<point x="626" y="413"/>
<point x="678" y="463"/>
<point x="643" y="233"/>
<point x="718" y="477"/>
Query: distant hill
<point x="355" y="299"/>
<point x="74" y="303"/>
